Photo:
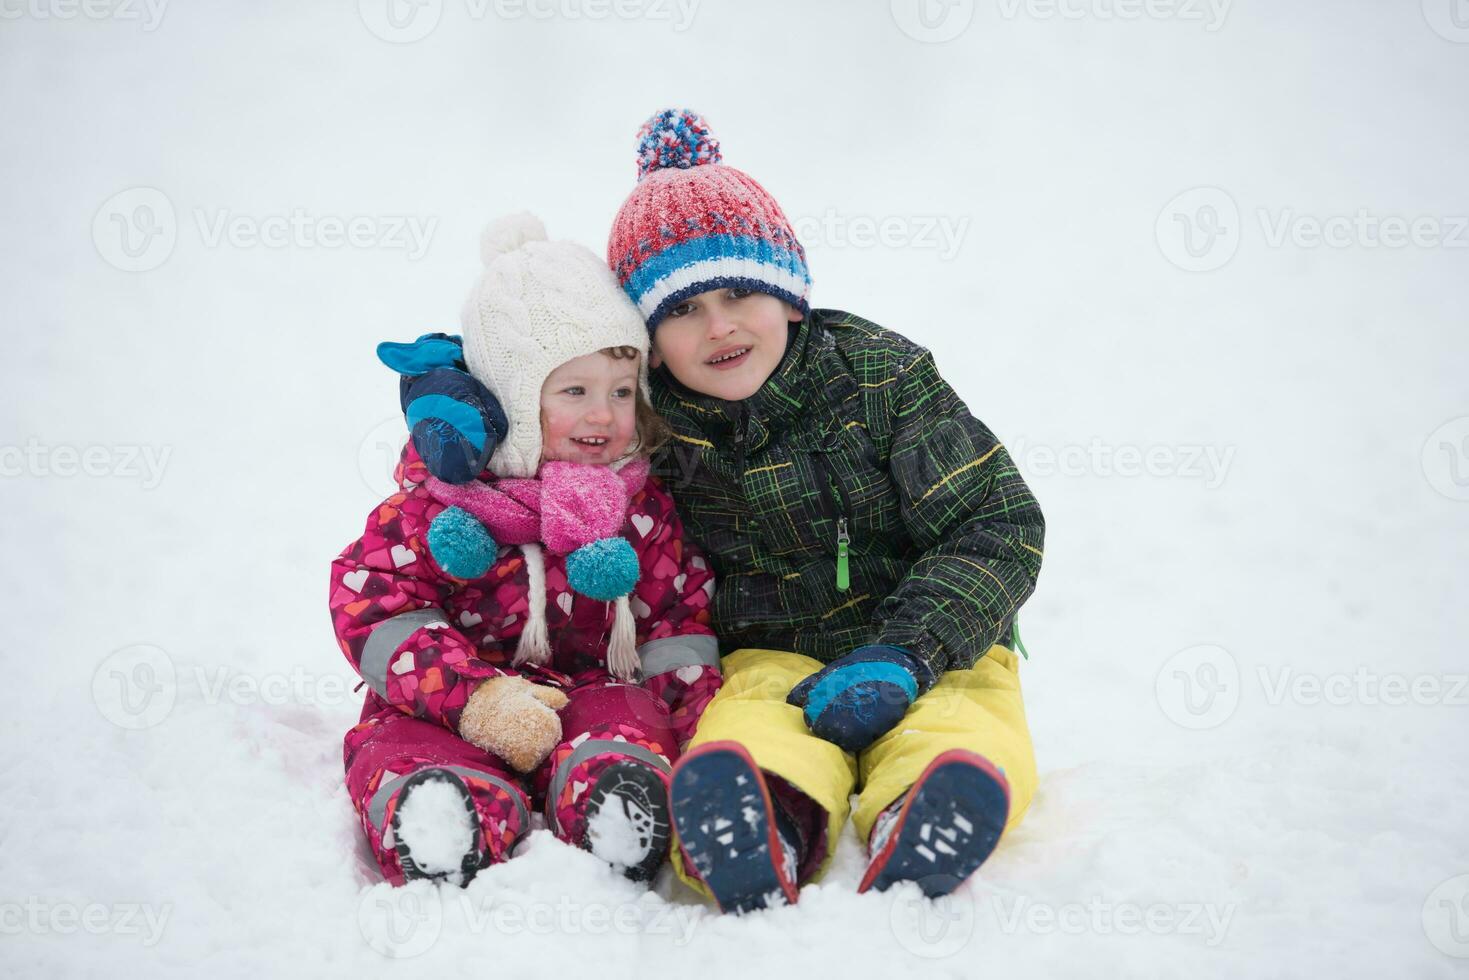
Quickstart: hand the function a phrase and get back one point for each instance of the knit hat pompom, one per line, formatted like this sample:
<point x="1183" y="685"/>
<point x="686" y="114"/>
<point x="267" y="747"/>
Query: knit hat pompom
<point x="675" y="138"/>
<point x="509" y="233"/>
<point x="693" y="223"/>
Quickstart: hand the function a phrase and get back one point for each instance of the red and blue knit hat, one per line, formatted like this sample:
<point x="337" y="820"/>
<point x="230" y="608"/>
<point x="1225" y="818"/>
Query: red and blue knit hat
<point x="693" y="224"/>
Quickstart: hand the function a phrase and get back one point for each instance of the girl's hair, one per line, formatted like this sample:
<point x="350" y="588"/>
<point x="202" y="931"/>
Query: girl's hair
<point x="653" y="432"/>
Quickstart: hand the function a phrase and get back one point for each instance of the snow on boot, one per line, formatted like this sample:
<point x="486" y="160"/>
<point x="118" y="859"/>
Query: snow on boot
<point x="436" y="829"/>
<point x="943" y="828"/>
<point x="627" y="819"/>
<point x="729" y="829"/>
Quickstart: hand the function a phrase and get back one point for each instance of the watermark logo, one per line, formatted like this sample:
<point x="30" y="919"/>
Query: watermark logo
<point x="401" y="923"/>
<point x="1199" y="230"/>
<point x="1199" y="687"/>
<point x="378" y="454"/>
<point x="401" y="21"/>
<point x="935" y="928"/>
<point x="135" y="230"/>
<point x="135" y="687"/>
<point x="933" y="21"/>
<point x="1446" y="917"/>
<point x="1448" y="18"/>
<point x="1446" y="458"/>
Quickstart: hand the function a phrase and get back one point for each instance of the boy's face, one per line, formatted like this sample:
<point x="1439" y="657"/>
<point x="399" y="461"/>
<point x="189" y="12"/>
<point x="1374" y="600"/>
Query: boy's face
<point x="589" y="409"/>
<point x="724" y="342"/>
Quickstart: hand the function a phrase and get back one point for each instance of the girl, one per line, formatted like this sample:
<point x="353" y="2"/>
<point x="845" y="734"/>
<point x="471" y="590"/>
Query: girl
<point x="541" y="632"/>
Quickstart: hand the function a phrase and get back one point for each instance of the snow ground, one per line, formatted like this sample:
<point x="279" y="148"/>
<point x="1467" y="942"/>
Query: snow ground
<point x="1204" y="809"/>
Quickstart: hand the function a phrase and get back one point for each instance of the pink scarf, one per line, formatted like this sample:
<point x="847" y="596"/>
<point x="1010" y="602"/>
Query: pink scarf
<point x="569" y="505"/>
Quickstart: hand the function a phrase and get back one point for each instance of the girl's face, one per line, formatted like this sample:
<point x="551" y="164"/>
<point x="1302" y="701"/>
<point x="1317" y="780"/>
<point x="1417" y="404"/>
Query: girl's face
<point x="589" y="409"/>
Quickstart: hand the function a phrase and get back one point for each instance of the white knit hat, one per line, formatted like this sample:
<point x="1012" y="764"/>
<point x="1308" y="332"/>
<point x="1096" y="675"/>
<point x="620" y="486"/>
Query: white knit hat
<point x="538" y="305"/>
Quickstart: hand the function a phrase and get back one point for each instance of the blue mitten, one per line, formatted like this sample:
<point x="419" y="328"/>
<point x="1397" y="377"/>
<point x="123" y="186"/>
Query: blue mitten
<point x="456" y="422"/>
<point x="854" y="700"/>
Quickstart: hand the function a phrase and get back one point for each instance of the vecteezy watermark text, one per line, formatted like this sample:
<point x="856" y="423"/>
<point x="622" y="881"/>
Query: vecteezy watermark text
<point x="1100" y="917"/>
<point x="407" y="21"/>
<point x="404" y="922"/>
<point x="43" y="461"/>
<point x="137" y="686"/>
<point x="149" y="12"/>
<point x="941" y="233"/>
<point x="1210" y="13"/>
<point x="1098" y="458"/>
<point x="1202" y="229"/>
<point x="1200" y="687"/>
<point x="137" y="229"/>
<point x="36" y="916"/>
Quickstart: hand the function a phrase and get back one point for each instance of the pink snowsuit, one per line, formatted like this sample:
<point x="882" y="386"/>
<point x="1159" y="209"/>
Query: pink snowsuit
<point x="423" y="640"/>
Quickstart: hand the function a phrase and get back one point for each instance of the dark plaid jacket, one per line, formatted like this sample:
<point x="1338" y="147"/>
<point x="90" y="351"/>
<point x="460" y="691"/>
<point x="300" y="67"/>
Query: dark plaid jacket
<point x="855" y="425"/>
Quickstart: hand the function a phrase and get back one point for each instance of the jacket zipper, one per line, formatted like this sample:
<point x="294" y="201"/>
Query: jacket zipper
<point x="838" y="498"/>
<point x="844" y="577"/>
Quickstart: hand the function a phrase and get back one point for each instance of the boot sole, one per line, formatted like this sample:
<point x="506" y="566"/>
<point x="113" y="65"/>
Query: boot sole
<point x="472" y="861"/>
<point x="947" y="828"/>
<point x="648" y="792"/>
<point x="726" y="827"/>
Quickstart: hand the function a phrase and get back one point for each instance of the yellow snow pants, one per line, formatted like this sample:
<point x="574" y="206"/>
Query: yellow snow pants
<point x="979" y="709"/>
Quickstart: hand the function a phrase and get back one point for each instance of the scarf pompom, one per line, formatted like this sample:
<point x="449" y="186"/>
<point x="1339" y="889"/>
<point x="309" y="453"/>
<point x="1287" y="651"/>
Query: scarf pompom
<point x="460" y="544"/>
<point x="604" y="569"/>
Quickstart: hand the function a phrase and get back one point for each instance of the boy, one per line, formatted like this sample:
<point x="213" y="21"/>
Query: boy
<point x="873" y="543"/>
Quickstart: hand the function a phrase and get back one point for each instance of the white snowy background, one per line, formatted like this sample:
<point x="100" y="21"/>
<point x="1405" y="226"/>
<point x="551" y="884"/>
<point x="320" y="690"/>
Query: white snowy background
<point x="1246" y="683"/>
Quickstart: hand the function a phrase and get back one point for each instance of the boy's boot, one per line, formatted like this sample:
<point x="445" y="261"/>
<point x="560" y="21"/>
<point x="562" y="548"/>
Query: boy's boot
<point x="942" y="828"/>
<point x="734" y="838"/>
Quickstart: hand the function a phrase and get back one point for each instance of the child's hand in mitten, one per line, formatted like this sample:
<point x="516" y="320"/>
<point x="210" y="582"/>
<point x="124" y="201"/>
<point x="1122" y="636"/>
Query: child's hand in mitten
<point x="455" y="421"/>
<point x="855" y="700"/>
<point x="514" y="719"/>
